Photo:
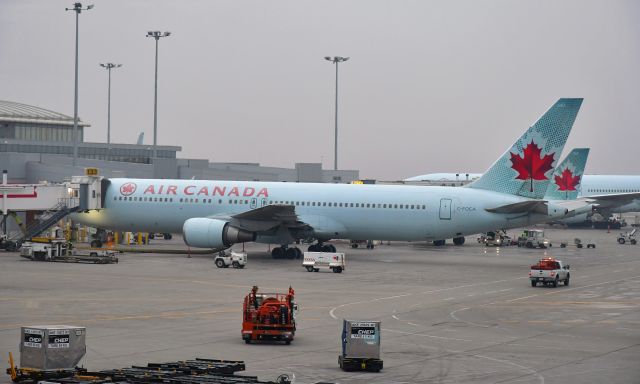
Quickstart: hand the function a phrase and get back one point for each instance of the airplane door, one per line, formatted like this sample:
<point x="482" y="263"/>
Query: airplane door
<point x="263" y="203"/>
<point x="254" y="203"/>
<point x="445" y="209"/>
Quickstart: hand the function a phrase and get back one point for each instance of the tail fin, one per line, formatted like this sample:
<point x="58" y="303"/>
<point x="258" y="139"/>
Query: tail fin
<point x="567" y="176"/>
<point x="526" y="168"/>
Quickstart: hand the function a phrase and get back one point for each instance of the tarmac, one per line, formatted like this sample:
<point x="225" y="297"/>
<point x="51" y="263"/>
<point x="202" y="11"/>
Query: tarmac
<point x="452" y="314"/>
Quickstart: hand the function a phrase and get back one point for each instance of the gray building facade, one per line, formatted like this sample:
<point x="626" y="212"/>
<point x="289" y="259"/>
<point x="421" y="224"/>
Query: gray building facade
<point x="37" y="145"/>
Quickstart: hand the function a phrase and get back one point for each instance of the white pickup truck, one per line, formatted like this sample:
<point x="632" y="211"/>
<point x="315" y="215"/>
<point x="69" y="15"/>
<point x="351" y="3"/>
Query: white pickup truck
<point x="549" y="271"/>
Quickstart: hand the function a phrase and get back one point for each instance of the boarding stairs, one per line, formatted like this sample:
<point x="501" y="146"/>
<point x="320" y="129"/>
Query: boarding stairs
<point x="48" y="219"/>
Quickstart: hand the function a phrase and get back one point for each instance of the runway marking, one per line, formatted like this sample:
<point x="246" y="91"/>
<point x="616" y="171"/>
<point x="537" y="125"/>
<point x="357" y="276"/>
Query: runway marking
<point x="452" y="314"/>
<point x="448" y="298"/>
<point x="528" y="369"/>
<point x="538" y="321"/>
<point x="333" y="310"/>
<point x="520" y="298"/>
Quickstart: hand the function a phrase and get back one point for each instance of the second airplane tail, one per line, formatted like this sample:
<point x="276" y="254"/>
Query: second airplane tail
<point x="527" y="167"/>
<point x="568" y="176"/>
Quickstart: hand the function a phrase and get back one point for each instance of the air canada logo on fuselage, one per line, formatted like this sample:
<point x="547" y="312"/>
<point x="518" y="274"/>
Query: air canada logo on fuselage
<point x="128" y="189"/>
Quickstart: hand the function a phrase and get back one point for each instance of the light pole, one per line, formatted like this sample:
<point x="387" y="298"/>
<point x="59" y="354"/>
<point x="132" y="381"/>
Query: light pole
<point x="108" y="67"/>
<point x="77" y="7"/>
<point x="156" y="35"/>
<point x="335" y="60"/>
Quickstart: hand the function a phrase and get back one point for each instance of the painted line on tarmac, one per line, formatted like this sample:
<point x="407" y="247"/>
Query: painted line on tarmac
<point x="334" y="309"/>
<point x="453" y="314"/>
<point x="527" y="369"/>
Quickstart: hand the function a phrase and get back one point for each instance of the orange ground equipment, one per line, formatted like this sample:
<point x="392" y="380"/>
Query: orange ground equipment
<point x="269" y="316"/>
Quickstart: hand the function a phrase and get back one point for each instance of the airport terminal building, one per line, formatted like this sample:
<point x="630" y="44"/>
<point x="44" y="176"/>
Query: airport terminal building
<point x="36" y="145"/>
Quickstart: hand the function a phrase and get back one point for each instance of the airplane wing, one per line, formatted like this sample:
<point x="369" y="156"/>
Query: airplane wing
<point x="614" y="200"/>
<point x="266" y="218"/>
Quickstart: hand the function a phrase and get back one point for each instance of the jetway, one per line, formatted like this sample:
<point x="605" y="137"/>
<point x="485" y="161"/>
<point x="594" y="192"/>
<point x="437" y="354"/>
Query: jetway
<point x="44" y="204"/>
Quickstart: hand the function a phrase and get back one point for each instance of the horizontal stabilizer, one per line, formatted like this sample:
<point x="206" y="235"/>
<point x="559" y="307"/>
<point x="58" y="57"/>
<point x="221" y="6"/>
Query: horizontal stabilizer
<point x="529" y="206"/>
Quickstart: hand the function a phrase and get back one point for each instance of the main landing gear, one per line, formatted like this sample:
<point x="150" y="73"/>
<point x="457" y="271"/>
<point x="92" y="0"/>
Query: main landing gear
<point x="285" y="252"/>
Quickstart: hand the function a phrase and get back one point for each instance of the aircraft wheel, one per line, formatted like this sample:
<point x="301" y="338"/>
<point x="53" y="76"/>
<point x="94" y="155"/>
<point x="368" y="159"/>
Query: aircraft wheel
<point x="291" y="253"/>
<point x="458" y="240"/>
<point x="277" y="253"/>
<point x="328" y="248"/>
<point x="298" y="253"/>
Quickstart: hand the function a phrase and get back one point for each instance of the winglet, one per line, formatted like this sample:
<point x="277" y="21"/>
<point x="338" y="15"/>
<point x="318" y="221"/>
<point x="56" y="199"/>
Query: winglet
<point x="526" y="168"/>
<point x="567" y="177"/>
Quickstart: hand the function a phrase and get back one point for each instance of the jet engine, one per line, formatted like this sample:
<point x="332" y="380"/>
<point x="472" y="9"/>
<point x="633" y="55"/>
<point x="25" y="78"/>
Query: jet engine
<point x="202" y="232"/>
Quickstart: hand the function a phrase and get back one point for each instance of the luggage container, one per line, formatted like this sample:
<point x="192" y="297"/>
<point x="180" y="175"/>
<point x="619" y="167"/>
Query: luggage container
<point x="360" y="346"/>
<point x="46" y="347"/>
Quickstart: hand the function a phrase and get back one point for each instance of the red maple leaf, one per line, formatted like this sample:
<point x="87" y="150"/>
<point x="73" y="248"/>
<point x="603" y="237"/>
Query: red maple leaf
<point x="532" y="165"/>
<point x="567" y="182"/>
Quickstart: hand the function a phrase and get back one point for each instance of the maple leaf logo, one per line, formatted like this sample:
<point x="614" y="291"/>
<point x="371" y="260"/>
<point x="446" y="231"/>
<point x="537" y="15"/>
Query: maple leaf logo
<point x="566" y="181"/>
<point x="127" y="189"/>
<point x="532" y="165"/>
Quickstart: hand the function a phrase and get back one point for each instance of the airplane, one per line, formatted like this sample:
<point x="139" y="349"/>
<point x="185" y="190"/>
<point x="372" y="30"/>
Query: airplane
<point x="218" y="214"/>
<point x="609" y="193"/>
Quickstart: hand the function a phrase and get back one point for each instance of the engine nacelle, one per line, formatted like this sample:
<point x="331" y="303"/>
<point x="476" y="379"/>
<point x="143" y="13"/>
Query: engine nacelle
<point x="202" y="232"/>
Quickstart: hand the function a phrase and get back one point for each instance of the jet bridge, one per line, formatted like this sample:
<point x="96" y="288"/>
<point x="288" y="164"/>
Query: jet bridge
<point x="49" y="202"/>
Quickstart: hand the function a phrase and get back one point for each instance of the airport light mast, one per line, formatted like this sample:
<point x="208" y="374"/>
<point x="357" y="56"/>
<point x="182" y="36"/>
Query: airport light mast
<point x="335" y="60"/>
<point x="109" y="67"/>
<point x="156" y="35"/>
<point x="77" y="7"/>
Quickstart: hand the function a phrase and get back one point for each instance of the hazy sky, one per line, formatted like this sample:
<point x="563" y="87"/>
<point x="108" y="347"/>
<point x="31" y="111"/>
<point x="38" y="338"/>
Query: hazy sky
<point x="431" y="86"/>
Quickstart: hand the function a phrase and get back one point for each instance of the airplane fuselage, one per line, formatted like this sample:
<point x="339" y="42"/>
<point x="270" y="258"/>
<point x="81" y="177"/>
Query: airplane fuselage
<point x="384" y="212"/>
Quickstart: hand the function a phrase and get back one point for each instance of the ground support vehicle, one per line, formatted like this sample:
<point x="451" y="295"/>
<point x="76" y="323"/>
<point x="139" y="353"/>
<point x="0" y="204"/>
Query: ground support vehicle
<point x="577" y="243"/>
<point x="60" y="250"/>
<point x="233" y="259"/>
<point x="533" y="238"/>
<point x="369" y="244"/>
<point x="269" y="316"/>
<point x="360" y="346"/>
<point x="628" y="237"/>
<point x="496" y="239"/>
<point x="549" y="271"/>
<point x="166" y="236"/>
<point x="315" y="261"/>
